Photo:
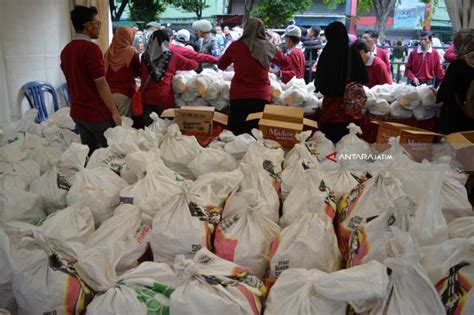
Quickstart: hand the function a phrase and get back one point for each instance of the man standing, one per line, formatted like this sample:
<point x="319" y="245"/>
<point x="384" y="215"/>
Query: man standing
<point x="424" y="63"/>
<point x="207" y="43"/>
<point x="376" y="69"/>
<point x="294" y="56"/>
<point x="150" y="28"/>
<point x="371" y="38"/>
<point x="92" y="106"/>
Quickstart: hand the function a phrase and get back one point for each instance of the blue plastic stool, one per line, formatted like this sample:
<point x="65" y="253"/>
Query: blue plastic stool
<point x="65" y="93"/>
<point x="34" y="94"/>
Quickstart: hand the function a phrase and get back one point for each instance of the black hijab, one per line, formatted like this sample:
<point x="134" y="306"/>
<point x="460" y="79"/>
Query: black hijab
<point x="157" y="55"/>
<point x="331" y="72"/>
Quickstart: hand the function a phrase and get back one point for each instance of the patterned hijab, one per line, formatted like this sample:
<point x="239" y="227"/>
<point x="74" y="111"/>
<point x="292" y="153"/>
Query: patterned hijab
<point x="120" y="52"/>
<point x="464" y="46"/>
<point x="254" y="38"/>
<point x="157" y="55"/>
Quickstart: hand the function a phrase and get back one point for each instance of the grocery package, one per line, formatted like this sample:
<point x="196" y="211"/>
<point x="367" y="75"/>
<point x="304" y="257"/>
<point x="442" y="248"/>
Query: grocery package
<point x="180" y="227"/>
<point x="54" y="185"/>
<point x="245" y="236"/>
<point x="308" y="243"/>
<point x="44" y="156"/>
<point x="145" y="289"/>
<point x="212" y="160"/>
<point x="97" y="189"/>
<point x="352" y="144"/>
<point x="320" y="146"/>
<point x="213" y="190"/>
<point x="300" y="291"/>
<point x="310" y="195"/>
<point x="239" y="145"/>
<point x="297" y="161"/>
<point x="368" y="239"/>
<point x="61" y="119"/>
<point x="364" y="202"/>
<point x="429" y="226"/>
<point x="461" y="228"/>
<point x="407" y="280"/>
<point x="152" y="191"/>
<point x="343" y="179"/>
<point x="450" y="267"/>
<point x="19" y="204"/>
<point x="121" y="142"/>
<point x="177" y="151"/>
<point x="208" y="284"/>
<point x="380" y="107"/>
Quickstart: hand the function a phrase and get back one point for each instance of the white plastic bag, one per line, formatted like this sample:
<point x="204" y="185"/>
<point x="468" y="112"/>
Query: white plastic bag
<point x="380" y="107"/>
<point x="212" y="160"/>
<point x="245" y="237"/>
<point x="461" y="228"/>
<point x="308" y="243"/>
<point x="180" y="227"/>
<point x="450" y="267"/>
<point x="300" y="291"/>
<point x="211" y="285"/>
<point x="310" y="195"/>
<point x="97" y="189"/>
<point x="177" y="150"/>
<point x="144" y="290"/>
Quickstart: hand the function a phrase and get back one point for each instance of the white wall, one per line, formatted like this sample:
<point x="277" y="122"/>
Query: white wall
<point x="33" y="33"/>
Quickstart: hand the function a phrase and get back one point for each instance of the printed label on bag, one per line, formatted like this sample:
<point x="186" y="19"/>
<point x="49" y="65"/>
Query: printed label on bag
<point x="126" y="200"/>
<point x="62" y="182"/>
<point x="115" y="162"/>
<point x="197" y="211"/>
<point x="355" y="222"/>
<point x="224" y="225"/>
<point x="147" y="297"/>
<point x="281" y="266"/>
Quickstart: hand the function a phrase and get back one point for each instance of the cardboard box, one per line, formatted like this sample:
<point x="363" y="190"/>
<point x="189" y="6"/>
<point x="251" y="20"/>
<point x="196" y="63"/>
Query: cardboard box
<point x="463" y="145"/>
<point x="418" y="142"/>
<point x="195" y="119"/>
<point x="282" y="123"/>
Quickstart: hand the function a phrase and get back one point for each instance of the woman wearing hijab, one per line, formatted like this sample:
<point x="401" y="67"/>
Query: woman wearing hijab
<point x="158" y="67"/>
<point x="331" y="80"/>
<point x="250" y="88"/>
<point x="453" y="89"/>
<point x="122" y="66"/>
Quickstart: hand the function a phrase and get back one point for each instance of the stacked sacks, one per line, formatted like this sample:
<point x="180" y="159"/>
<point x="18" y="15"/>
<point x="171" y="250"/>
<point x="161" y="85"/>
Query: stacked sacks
<point x="401" y="101"/>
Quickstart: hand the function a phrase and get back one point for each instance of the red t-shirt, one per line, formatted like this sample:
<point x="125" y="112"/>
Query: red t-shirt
<point x="377" y="73"/>
<point x="295" y="66"/>
<point x="82" y="63"/>
<point x="383" y="55"/>
<point x="191" y="54"/>
<point x="424" y="68"/>
<point x="123" y="80"/>
<point x="161" y="93"/>
<point x="251" y="78"/>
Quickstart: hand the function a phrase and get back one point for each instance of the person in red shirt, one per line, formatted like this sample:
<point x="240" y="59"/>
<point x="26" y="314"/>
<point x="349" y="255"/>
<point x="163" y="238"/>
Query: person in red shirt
<point x="92" y="106"/>
<point x="294" y="55"/>
<point x="250" y="87"/>
<point x="376" y="69"/>
<point x="371" y="38"/>
<point x="424" y="63"/>
<point x="159" y="65"/>
<point x="332" y="78"/>
<point x="450" y="54"/>
<point x="122" y="64"/>
<point x="180" y="47"/>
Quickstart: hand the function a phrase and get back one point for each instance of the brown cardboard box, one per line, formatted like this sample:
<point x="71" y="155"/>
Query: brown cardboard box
<point x="417" y="142"/>
<point x="196" y="119"/>
<point x="463" y="145"/>
<point x="282" y="123"/>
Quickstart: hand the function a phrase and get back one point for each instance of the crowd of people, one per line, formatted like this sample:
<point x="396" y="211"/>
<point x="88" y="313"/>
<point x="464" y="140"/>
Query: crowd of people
<point x="101" y="86"/>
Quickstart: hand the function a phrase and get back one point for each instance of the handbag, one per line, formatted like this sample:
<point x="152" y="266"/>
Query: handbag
<point x="137" y="102"/>
<point x="354" y="95"/>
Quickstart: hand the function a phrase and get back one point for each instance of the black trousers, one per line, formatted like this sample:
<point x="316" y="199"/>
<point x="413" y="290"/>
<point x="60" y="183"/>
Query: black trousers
<point x="147" y="110"/>
<point x="239" y="110"/>
<point x="335" y="132"/>
<point x="92" y="134"/>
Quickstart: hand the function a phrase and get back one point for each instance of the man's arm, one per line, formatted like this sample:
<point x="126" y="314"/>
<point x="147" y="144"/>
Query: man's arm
<point x="104" y="92"/>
